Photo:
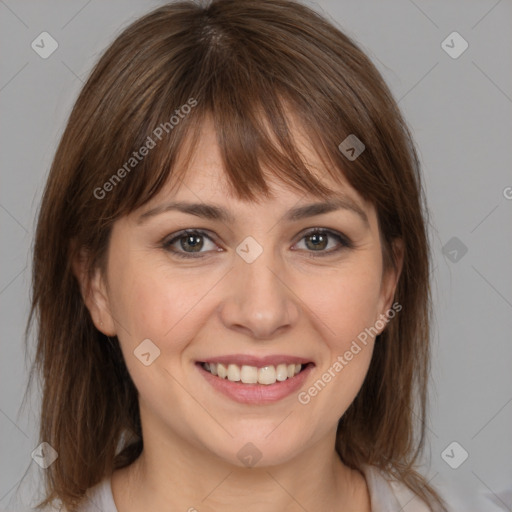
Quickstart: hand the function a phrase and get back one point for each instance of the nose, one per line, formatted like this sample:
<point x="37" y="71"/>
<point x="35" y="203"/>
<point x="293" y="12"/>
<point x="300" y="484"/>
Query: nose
<point x="260" y="303"/>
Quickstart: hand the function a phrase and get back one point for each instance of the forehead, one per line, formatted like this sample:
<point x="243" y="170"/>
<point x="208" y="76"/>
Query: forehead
<point x="205" y="191"/>
<point x="203" y="176"/>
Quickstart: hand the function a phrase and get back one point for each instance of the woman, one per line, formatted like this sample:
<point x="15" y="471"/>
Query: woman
<point x="231" y="274"/>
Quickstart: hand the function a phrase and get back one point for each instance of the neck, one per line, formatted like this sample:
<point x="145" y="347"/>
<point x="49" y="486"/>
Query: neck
<point x="171" y="474"/>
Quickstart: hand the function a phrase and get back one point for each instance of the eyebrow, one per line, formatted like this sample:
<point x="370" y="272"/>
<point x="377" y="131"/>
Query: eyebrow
<point x="213" y="212"/>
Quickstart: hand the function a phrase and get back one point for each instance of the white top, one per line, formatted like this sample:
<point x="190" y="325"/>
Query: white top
<point x="385" y="495"/>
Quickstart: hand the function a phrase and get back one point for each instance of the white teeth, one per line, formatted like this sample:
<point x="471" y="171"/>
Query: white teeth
<point x="281" y="372"/>
<point x="251" y="374"/>
<point x="222" y="371"/>
<point x="233" y="373"/>
<point x="267" y="375"/>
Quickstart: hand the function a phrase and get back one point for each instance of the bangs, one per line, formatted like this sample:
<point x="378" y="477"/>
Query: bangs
<point x="260" y="104"/>
<point x="257" y="137"/>
<point x="268" y="102"/>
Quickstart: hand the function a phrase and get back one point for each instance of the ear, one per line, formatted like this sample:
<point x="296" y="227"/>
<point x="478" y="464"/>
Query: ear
<point x="390" y="279"/>
<point x="94" y="293"/>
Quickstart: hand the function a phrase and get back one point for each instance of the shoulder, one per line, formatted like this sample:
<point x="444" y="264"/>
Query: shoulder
<point x="389" y="495"/>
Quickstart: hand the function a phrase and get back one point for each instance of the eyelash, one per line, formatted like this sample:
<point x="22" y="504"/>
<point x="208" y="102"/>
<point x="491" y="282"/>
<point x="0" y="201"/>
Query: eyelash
<point x="345" y="242"/>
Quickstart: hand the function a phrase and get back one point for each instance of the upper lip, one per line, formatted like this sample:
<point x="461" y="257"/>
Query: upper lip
<point x="259" y="362"/>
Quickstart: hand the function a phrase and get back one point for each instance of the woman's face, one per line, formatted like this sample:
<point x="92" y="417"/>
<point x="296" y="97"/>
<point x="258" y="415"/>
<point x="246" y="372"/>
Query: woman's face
<point x="255" y="284"/>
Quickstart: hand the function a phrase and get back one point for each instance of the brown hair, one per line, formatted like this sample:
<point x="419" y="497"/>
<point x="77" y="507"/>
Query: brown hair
<point x="248" y="64"/>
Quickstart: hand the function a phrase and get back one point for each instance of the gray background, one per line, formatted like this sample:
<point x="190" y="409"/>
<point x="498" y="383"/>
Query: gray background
<point x="460" y="113"/>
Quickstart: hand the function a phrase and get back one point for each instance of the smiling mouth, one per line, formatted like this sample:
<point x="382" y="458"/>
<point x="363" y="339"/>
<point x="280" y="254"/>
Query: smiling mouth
<point x="245" y="374"/>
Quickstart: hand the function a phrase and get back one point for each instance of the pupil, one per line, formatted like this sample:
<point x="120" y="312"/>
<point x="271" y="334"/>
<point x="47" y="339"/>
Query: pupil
<point x="194" y="241"/>
<point x="319" y="240"/>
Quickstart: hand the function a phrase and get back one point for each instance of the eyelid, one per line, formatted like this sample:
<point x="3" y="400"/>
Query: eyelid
<point x="182" y="232"/>
<point x="168" y="241"/>
<point x="344" y="240"/>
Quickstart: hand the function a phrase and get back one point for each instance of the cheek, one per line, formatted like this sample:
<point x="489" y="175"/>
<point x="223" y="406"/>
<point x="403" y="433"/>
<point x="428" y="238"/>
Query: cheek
<point x="149" y="301"/>
<point x="346" y="302"/>
<point x="344" y="310"/>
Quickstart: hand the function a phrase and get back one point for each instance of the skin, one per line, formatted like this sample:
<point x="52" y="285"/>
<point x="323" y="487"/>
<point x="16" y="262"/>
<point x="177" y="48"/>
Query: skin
<point x="285" y="302"/>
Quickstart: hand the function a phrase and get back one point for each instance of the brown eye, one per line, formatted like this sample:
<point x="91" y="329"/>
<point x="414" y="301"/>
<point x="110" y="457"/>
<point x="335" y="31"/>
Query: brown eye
<point x="318" y="240"/>
<point x="195" y="242"/>
<point x="188" y="244"/>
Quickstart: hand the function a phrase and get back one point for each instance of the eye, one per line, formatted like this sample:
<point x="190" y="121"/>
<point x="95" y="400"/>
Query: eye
<point x="188" y="243"/>
<point x="318" y="239"/>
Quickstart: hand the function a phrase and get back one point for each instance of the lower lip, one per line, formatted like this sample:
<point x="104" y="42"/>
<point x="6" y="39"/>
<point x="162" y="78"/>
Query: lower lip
<point x="256" y="394"/>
